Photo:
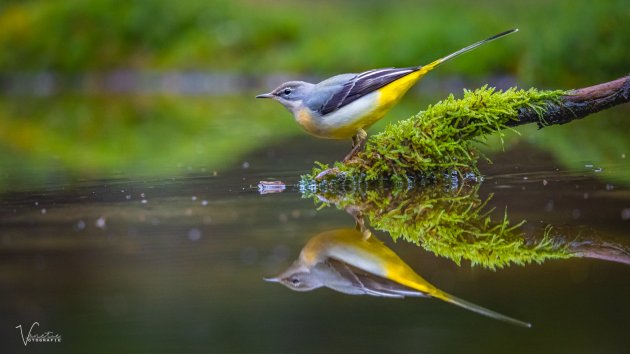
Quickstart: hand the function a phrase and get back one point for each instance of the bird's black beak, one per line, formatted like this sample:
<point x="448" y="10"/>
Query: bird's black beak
<point x="265" y="95"/>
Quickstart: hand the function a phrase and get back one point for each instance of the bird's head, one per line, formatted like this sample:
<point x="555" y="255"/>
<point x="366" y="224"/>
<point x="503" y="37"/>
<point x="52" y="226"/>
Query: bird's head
<point x="290" y="94"/>
<point x="297" y="277"/>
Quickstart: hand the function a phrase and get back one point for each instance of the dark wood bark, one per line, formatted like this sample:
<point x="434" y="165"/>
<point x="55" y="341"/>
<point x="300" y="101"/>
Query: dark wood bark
<point x="600" y="249"/>
<point x="578" y="104"/>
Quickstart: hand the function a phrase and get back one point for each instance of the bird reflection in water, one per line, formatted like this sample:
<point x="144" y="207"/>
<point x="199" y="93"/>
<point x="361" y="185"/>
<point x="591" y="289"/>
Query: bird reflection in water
<point x="357" y="263"/>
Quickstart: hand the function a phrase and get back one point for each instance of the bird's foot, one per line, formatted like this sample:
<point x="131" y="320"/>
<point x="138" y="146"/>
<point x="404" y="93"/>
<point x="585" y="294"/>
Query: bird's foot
<point x="352" y="154"/>
<point x="358" y="145"/>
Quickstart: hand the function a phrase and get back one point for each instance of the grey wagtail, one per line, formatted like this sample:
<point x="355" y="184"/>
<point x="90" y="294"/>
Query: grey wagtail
<point x="342" y="106"/>
<point x="355" y="263"/>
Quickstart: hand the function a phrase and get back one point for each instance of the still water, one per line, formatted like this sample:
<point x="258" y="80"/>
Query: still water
<point x="174" y="261"/>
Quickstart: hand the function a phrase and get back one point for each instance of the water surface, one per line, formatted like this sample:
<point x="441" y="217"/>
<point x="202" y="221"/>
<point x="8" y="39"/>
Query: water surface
<point x="114" y="259"/>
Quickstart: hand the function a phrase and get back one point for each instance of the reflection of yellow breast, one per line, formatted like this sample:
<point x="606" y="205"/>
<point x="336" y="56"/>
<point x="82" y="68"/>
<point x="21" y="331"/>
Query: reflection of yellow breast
<point x="371" y="255"/>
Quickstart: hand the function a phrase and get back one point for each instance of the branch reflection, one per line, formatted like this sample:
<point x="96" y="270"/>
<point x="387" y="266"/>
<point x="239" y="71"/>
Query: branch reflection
<point x="452" y="221"/>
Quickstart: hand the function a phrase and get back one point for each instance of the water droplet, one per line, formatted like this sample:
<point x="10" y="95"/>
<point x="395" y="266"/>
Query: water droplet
<point x="43" y="210"/>
<point x="245" y="164"/>
<point x="100" y="222"/>
<point x="249" y="255"/>
<point x="549" y="206"/>
<point x="194" y="234"/>
<point x="204" y="202"/>
<point x="193" y="198"/>
<point x="625" y="214"/>
<point x="545" y="182"/>
<point x="80" y="225"/>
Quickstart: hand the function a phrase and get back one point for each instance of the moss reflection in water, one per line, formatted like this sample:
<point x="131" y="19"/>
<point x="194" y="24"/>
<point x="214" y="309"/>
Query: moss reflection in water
<point x="452" y="221"/>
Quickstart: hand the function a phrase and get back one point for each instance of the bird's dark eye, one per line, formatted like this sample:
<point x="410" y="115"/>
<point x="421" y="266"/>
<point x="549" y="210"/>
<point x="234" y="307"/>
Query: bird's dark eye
<point x="294" y="281"/>
<point x="287" y="91"/>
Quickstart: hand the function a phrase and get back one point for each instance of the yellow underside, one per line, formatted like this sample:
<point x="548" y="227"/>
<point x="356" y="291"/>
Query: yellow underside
<point x="388" y="96"/>
<point x="392" y="93"/>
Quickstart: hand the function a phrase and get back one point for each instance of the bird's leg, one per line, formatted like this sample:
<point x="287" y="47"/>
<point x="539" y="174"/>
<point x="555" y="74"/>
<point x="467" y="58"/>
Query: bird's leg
<point x="359" y="219"/>
<point x="358" y="144"/>
<point x="356" y="213"/>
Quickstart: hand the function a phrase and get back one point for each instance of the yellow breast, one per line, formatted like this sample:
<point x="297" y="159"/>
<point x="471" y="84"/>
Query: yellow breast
<point x="305" y="120"/>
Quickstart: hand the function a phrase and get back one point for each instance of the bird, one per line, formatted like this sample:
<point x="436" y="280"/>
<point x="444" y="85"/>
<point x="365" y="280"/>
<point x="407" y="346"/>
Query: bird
<point x="343" y="106"/>
<point x="357" y="263"/>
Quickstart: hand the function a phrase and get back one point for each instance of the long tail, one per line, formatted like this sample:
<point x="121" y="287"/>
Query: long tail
<point x="478" y="309"/>
<point x="432" y="65"/>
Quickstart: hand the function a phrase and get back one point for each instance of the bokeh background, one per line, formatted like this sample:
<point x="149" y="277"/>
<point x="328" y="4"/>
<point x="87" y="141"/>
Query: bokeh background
<point x="103" y="88"/>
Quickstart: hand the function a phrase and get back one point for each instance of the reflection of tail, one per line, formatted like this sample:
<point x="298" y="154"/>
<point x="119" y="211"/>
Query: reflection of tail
<point x="478" y="309"/>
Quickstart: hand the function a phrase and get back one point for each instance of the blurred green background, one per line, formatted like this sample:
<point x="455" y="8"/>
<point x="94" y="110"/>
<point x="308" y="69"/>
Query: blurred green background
<point x="151" y="88"/>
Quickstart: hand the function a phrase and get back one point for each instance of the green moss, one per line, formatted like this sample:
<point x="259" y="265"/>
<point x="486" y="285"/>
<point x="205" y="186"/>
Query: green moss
<point x="439" y="141"/>
<point x="449" y="220"/>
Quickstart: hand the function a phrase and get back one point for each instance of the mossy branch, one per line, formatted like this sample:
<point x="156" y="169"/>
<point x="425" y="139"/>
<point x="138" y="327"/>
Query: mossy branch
<point x="438" y="142"/>
<point x="578" y="104"/>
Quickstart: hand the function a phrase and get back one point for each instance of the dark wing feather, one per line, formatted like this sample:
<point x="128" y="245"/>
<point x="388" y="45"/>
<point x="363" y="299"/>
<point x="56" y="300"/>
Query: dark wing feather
<point x="370" y="284"/>
<point x="361" y="85"/>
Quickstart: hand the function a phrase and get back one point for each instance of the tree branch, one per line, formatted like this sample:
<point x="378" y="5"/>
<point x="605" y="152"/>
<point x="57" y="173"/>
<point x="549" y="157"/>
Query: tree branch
<point x="439" y="141"/>
<point x="578" y="104"/>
